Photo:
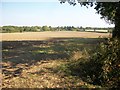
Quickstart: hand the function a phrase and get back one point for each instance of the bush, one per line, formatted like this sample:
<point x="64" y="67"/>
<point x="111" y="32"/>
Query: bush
<point x="110" y="61"/>
<point x="102" y="67"/>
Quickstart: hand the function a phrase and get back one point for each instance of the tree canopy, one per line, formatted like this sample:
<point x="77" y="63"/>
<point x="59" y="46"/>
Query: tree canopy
<point x="110" y="11"/>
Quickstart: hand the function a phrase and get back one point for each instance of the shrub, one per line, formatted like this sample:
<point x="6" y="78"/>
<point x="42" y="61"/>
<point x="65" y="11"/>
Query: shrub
<point x="102" y="67"/>
<point x="110" y="60"/>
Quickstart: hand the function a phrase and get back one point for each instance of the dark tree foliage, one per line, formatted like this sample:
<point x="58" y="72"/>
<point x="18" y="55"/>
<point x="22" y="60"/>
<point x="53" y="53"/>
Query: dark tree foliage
<point x="110" y="11"/>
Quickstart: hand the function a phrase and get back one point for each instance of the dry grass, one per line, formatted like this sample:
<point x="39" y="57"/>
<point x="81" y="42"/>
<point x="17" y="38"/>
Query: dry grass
<point x="48" y="35"/>
<point x="42" y="75"/>
<point x="34" y="64"/>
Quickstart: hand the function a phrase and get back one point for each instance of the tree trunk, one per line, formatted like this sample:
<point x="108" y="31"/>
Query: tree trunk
<point x="116" y="31"/>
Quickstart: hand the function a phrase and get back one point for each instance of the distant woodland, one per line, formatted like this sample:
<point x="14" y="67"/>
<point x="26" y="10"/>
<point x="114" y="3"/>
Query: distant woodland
<point x="12" y="29"/>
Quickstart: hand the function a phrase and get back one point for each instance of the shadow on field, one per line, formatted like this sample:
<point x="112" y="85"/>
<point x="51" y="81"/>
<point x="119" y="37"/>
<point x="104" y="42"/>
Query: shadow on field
<point x="17" y="55"/>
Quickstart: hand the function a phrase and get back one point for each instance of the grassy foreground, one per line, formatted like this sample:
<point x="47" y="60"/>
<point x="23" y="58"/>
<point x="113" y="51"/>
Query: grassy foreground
<point x="37" y="64"/>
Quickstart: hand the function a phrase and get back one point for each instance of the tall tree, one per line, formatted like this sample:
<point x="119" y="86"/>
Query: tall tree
<point x="110" y="11"/>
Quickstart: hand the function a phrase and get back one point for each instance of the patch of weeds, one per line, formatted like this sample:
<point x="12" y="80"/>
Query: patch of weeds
<point x="101" y="68"/>
<point x="64" y="68"/>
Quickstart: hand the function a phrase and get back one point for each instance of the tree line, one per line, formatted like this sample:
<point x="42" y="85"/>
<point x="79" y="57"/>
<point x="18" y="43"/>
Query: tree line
<point x="12" y="29"/>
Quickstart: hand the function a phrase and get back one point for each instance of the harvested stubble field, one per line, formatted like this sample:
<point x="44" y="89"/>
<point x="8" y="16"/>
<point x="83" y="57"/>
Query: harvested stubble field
<point x="33" y="59"/>
<point x="48" y="35"/>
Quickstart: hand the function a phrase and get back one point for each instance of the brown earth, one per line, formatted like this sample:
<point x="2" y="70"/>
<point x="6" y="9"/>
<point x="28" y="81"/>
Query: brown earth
<point x="30" y="62"/>
<point x="49" y="35"/>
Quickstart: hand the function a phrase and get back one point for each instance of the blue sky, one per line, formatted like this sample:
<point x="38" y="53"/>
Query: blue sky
<point x="50" y="13"/>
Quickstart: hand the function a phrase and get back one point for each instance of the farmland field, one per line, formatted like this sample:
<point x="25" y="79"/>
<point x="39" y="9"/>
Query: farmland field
<point x="48" y="35"/>
<point x="32" y="59"/>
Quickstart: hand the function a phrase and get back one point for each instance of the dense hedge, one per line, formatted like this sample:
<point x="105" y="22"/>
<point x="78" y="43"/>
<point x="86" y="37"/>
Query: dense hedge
<point x="102" y="67"/>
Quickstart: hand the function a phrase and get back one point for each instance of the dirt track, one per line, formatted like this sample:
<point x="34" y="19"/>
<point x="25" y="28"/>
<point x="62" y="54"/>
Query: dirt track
<point x="48" y="35"/>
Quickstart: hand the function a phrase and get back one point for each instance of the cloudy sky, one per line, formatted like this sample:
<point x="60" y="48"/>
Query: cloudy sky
<point x="48" y="12"/>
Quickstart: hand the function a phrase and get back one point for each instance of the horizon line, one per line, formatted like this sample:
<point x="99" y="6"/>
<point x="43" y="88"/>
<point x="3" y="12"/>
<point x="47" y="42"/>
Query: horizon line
<point x="55" y="26"/>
